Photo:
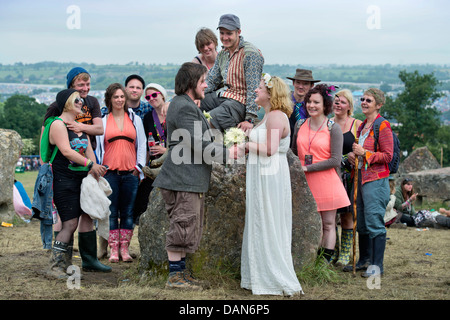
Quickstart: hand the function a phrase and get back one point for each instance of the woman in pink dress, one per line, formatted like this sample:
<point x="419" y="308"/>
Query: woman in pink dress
<point x="318" y="144"/>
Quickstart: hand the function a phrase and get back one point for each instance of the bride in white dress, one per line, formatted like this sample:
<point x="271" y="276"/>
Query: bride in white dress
<point x="266" y="262"/>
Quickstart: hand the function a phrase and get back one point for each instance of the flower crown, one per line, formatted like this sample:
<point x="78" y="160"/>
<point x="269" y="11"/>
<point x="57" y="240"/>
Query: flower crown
<point x="267" y="80"/>
<point x="330" y="89"/>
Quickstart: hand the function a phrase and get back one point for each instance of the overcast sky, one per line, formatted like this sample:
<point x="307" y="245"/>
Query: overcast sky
<point x="292" y="32"/>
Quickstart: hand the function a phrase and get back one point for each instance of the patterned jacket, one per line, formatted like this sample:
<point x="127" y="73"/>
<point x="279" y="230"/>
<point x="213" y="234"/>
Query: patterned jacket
<point x="375" y="164"/>
<point x="239" y="74"/>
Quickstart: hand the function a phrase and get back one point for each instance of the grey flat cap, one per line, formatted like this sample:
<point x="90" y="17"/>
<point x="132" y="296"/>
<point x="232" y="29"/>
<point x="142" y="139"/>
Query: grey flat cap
<point x="229" y="22"/>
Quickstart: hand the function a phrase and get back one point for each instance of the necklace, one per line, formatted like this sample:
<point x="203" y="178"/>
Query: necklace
<point x="369" y="127"/>
<point x="309" y="133"/>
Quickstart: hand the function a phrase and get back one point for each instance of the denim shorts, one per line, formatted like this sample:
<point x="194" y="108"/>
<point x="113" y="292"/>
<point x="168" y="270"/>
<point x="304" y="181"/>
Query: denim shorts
<point x="185" y="210"/>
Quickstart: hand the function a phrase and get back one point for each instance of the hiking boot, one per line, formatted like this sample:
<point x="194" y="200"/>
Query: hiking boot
<point x="178" y="281"/>
<point x="190" y="277"/>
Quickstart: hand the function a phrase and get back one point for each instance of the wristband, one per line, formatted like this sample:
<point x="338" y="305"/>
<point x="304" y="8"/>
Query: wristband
<point x="90" y="164"/>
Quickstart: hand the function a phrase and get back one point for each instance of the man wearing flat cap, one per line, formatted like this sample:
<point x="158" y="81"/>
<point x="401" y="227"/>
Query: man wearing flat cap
<point x="302" y="81"/>
<point x="230" y="97"/>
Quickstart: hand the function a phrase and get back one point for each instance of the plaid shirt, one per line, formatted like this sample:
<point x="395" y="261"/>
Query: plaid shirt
<point x="240" y="74"/>
<point x="143" y="108"/>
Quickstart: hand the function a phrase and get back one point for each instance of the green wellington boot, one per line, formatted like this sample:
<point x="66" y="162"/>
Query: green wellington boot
<point x="87" y="244"/>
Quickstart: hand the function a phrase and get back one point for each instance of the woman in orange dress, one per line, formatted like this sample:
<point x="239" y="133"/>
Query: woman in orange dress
<point x="318" y="144"/>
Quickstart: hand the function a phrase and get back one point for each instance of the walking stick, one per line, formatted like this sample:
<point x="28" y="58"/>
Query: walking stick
<point x="355" y="195"/>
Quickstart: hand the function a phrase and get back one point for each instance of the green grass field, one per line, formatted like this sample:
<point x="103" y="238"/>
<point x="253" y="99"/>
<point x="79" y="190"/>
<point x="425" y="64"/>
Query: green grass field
<point x="28" y="179"/>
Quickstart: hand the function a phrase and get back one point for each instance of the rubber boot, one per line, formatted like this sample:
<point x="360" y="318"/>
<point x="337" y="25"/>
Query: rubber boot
<point x="335" y="256"/>
<point x="346" y="247"/>
<point x="57" y="261"/>
<point x="325" y="253"/>
<point x="69" y="252"/>
<point x="87" y="244"/>
<point x="102" y="248"/>
<point x="365" y="254"/>
<point x="124" y="241"/>
<point x="113" y="242"/>
<point x="378" y="248"/>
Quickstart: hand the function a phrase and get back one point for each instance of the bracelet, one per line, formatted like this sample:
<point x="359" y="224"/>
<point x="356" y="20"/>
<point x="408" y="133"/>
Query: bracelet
<point x="85" y="161"/>
<point x="91" y="164"/>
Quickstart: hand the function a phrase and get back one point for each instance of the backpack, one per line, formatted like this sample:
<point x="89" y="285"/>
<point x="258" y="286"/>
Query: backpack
<point x="395" y="161"/>
<point x="46" y="151"/>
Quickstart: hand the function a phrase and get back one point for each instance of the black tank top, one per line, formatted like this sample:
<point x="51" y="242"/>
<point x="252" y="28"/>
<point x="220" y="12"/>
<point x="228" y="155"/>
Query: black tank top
<point x="62" y="165"/>
<point x="349" y="139"/>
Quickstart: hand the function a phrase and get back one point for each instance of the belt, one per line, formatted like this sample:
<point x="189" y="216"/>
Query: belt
<point x="121" y="172"/>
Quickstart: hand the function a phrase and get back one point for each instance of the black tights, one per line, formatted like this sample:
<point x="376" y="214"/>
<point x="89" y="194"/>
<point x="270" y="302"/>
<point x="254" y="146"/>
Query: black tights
<point x="67" y="230"/>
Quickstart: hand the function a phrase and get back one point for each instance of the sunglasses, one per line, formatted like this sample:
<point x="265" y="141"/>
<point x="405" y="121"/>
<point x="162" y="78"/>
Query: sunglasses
<point x="79" y="100"/>
<point x="153" y="95"/>
<point x="366" y="99"/>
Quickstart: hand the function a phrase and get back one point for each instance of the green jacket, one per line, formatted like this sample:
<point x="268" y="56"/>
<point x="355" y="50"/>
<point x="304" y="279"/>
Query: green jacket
<point x="400" y="200"/>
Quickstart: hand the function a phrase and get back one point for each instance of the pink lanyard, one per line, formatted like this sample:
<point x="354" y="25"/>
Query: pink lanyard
<point x="309" y="133"/>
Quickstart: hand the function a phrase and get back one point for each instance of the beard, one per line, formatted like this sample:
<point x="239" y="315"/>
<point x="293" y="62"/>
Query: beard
<point x="199" y="95"/>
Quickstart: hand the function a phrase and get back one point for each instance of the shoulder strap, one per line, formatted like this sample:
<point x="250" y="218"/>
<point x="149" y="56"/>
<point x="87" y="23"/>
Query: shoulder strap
<point x="376" y="130"/>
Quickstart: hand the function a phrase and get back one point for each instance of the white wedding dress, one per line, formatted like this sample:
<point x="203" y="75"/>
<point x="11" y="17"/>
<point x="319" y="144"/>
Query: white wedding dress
<point x="266" y="260"/>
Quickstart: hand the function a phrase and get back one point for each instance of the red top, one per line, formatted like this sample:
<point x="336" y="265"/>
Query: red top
<point x="375" y="164"/>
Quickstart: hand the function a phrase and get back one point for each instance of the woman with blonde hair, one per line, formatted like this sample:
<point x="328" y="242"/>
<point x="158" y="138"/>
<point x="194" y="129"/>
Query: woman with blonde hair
<point x="266" y="265"/>
<point x="74" y="160"/>
<point x="343" y="111"/>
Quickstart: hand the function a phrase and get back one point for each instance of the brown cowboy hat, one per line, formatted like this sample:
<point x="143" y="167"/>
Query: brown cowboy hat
<point x="302" y="74"/>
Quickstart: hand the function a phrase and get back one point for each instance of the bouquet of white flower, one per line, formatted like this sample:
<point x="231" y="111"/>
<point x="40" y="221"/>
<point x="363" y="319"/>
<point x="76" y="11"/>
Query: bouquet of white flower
<point x="207" y="115"/>
<point x="233" y="136"/>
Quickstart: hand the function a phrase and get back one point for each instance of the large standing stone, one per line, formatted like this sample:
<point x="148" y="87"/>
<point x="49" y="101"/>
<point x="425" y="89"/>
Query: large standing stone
<point x="431" y="185"/>
<point x="419" y="160"/>
<point x="10" y="148"/>
<point x="224" y="222"/>
<point x="431" y="182"/>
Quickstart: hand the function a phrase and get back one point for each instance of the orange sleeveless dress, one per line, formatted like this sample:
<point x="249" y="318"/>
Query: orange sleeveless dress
<point x="325" y="186"/>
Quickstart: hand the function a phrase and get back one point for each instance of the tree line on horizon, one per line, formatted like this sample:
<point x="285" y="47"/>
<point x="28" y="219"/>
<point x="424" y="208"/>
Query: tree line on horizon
<point x="49" y="72"/>
<point x="419" y="123"/>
